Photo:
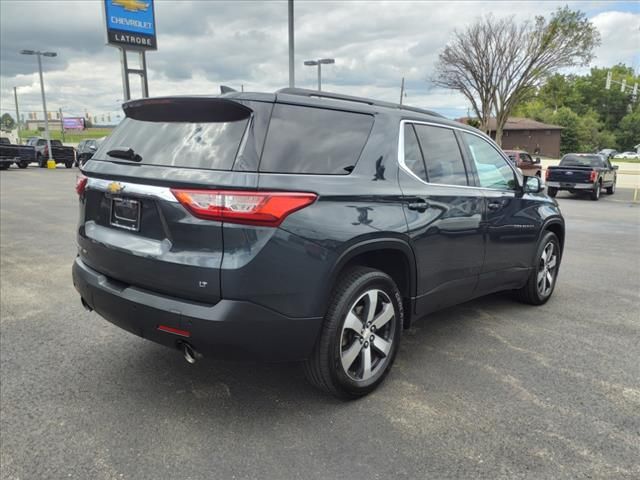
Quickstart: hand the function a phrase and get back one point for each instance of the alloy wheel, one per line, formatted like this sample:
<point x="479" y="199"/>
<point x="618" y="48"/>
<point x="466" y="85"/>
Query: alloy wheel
<point x="367" y="335"/>
<point x="547" y="269"/>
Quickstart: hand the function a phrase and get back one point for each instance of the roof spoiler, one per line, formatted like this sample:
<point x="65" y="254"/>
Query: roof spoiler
<point x="186" y="110"/>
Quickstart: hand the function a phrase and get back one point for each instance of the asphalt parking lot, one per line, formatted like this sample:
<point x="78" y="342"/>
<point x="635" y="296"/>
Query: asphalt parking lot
<point x="490" y="389"/>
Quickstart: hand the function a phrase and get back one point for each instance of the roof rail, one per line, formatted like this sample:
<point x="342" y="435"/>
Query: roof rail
<point x="303" y="92"/>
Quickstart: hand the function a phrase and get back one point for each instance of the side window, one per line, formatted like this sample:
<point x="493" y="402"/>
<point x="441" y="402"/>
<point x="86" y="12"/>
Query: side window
<point x="526" y="158"/>
<point x="442" y="155"/>
<point x="412" y="154"/>
<point x="493" y="170"/>
<point x="314" y="140"/>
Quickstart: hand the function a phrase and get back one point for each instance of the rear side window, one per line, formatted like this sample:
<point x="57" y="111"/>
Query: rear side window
<point x="314" y="140"/>
<point x="207" y="145"/>
<point x="412" y="154"/>
<point x="441" y="155"/>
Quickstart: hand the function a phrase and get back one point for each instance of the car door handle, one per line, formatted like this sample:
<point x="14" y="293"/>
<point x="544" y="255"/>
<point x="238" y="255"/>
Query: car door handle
<point x="494" y="205"/>
<point x="418" y="205"/>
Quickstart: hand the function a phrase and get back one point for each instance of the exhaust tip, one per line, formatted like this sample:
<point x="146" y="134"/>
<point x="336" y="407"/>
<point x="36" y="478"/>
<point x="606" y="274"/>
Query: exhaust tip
<point x="86" y="305"/>
<point x="189" y="353"/>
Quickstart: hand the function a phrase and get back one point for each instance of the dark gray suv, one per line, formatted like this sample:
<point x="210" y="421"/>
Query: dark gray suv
<point x="304" y="226"/>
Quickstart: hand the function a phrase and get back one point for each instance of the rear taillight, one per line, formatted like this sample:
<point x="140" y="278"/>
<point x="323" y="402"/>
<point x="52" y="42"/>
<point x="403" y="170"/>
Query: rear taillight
<point x="267" y="209"/>
<point x="546" y="174"/>
<point x="81" y="183"/>
<point x="593" y="176"/>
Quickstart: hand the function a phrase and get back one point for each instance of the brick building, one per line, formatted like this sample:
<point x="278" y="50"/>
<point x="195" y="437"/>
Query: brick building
<point x="529" y="135"/>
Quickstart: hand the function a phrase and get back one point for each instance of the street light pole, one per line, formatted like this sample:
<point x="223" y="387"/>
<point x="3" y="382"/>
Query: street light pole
<point x="15" y="97"/>
<point x="319" y="63"/>
<point x="50" y="162"/>
<point x="292" y="71"/>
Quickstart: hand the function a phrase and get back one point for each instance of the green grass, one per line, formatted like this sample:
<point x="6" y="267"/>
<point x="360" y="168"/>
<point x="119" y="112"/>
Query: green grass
<point x="626" y="160"/>
<point x="69" y="137"/>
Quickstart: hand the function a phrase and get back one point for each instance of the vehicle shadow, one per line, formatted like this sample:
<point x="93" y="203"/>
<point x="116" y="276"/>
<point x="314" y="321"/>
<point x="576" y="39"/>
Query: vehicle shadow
<point x="154" y="375"/>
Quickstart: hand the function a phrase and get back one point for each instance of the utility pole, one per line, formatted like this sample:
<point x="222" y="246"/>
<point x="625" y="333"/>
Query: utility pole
<point x="15" y="97"/>
<point x="292" y="73"/>
<point x="401" y="90"/>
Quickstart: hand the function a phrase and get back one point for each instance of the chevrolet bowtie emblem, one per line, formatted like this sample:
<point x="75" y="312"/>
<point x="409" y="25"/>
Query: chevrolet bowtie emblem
<point x="132" y="5"/>
<point x="115" y="187"/>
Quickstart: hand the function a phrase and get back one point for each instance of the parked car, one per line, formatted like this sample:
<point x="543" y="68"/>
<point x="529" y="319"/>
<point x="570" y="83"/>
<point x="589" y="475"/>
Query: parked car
<point x="608" y="153"/>
<point x="21" y="155"/>
<point x="60" y="153"/>
<point x="628" y="155"/>
<point x="86" y="149"/>
<point x="582" y="172"/>
<point x="303" y="225"/>
<point x="524" y="161"/>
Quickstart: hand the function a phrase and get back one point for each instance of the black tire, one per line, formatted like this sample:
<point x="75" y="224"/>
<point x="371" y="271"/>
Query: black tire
<point x="531" y="293"/>
<point x="552" y="191"/>
<point x="68" y="164"/>
<point x="22" y="164"/>
<point x="4" y="166"/>
<point x="612" y="189"/>
<point x="324" y="368"/>
<point x="595" y="193"/>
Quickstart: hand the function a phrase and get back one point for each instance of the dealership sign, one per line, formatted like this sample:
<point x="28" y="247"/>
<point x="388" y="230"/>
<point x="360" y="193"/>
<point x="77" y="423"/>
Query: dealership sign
<point x="73" y="123"/>
<point x="131" y="24"/>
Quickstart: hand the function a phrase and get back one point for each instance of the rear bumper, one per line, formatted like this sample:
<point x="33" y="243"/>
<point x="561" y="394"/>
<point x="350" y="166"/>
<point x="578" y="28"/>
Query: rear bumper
<point x="570" y="186"/>
<point x="230" y="328"/>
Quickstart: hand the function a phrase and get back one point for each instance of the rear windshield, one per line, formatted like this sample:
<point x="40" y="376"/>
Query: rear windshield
<point x="581" y="161"/>
<point x="210" y="145"/>
<point x="314" y="140"/>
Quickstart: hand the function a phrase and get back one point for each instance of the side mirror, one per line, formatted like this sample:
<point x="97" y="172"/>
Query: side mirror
<point x="92" y="148"/>
<point x="537" y="159"/>
<point x="533" y="185"/>
<point x="615" y="167"/>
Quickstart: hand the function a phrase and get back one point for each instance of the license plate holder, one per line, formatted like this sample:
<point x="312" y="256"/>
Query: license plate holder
<point x="125" y="213"/>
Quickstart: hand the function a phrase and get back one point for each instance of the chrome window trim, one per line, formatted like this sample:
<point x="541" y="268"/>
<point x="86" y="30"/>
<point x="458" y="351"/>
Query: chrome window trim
<point x="407" y="170"/>
<point x="140" y="190"/>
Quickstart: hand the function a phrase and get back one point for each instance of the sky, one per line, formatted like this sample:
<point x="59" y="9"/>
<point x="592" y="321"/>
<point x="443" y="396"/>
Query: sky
<point x="203" y="44"/>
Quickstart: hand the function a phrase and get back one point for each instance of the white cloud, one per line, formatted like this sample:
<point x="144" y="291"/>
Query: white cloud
<point x="203" y="44"/>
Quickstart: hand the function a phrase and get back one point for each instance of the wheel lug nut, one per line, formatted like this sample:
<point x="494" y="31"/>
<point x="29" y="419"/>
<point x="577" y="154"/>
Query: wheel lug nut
<point x="371" y="338"/>
<point x="361" y="340"/>
<point x="373" y="328"/>
<point x="366" y="344"/>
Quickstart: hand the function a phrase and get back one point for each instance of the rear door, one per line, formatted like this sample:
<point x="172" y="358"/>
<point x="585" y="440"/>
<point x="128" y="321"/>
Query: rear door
<point x="444" y="215"/>
<point x="132" y="227"/>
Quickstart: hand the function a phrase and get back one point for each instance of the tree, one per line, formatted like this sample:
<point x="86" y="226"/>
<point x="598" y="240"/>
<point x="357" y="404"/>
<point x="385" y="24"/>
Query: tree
<point x="7" y="122"/>
<point x="497" y="63"/>
<point x="629" y="132"/>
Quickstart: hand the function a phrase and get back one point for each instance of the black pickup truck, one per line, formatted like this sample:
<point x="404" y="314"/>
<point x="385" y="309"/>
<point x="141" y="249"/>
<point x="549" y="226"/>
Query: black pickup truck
<point x="21" y="155"/>
<point x="582" y="172"/>
<point x="60" y="153"/>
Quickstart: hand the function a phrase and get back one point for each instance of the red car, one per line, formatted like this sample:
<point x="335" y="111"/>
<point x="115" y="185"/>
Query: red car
<point x="524" y="161"/>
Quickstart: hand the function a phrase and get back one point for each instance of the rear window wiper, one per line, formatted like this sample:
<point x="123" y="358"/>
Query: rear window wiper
<point x="125" y="153"/>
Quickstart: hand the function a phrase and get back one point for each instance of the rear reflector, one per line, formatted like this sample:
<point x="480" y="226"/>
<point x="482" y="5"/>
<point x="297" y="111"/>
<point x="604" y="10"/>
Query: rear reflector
<point x="81" y="183"/>
<point x="175" y="331"/>
<point x="267" y="209"/>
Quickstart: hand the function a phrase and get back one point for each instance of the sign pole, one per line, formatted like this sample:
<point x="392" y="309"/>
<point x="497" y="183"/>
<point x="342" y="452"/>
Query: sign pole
<point x="143" y="75"/>
<point x="125" y="75"/>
